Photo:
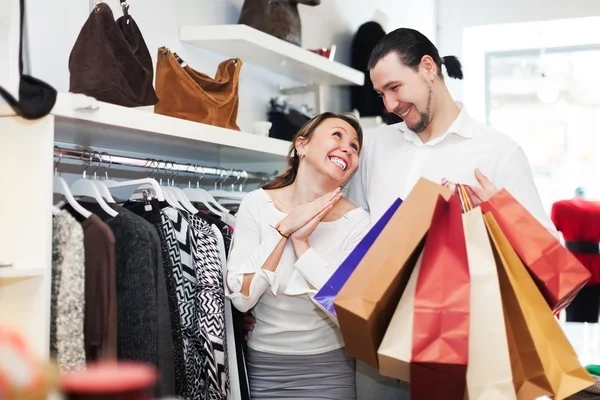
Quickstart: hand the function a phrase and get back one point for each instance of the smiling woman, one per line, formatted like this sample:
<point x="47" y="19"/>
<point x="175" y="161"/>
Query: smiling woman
<point x="326" y="130"/>
<point x="290" y="237"/>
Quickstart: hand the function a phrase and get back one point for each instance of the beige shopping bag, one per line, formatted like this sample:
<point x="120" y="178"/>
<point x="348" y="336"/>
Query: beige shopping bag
<point x="489" y="375"/>
<point x="395" y="351"/>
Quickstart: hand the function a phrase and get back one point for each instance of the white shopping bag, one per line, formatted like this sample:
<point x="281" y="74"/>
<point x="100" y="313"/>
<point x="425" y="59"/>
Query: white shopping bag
<point x="489" y="374"/>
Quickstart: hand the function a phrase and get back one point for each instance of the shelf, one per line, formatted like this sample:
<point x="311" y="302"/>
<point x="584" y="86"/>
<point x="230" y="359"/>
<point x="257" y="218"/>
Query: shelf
<point x="259" y="48"/>
<point x="15" y="273"/>
<point x="143" y="132"/>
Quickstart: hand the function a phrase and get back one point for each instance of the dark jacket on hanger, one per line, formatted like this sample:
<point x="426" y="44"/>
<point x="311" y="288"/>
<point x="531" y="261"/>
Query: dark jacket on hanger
<point x="364" y="98"/>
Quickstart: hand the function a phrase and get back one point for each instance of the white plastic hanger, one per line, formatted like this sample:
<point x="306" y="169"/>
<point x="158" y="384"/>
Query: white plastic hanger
<point x="85" y="187"/>
<point x="180" y="195"/>
<point x="145" y="184"/>
<point x="200" y="195"/>
<point x="60" y="187"/>
<point x="102" y="188"/>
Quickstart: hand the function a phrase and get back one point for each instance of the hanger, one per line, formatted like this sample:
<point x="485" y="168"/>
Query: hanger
<point x="233" y="194"/>
<point x="85" y="187"/>
<point x="61" y="187"/>
<point x="143" y="186"/>
<point x="200" y="195"/>
<point x="102" y="188"/>
<point x="180" y="195"/>
<point x="168" y="191"/>
<point x="107" y="181"/>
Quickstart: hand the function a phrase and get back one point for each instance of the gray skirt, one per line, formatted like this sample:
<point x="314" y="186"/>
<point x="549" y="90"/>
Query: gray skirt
<point x="328" y="376"/>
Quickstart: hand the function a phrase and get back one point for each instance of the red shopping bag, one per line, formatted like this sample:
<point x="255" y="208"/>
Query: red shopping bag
<point x="555" y="270"/>
<point x="441" y="309"/>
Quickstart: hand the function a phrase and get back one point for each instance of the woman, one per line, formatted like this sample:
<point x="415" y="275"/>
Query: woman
<point x="290" y="236"/>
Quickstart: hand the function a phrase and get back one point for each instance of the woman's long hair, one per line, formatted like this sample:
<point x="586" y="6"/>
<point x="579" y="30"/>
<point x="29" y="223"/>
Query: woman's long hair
<point x="289" y="176"/>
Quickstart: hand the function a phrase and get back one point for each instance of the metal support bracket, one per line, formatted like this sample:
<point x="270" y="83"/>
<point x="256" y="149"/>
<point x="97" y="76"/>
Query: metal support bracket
<point x="317" y="90"/>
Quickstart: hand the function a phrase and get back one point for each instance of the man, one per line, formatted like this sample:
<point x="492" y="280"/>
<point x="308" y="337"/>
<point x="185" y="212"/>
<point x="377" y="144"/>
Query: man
<point x="437" y="140"/>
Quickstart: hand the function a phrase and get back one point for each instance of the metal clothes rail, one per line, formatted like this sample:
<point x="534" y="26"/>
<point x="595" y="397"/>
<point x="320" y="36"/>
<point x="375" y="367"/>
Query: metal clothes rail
<point x="103" y="159"/>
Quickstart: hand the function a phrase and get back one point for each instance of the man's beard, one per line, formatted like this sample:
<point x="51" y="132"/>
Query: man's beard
<point x="424" y="116"/>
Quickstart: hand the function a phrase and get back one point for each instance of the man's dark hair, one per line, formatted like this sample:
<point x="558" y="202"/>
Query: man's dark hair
<point x="411" y="46"/>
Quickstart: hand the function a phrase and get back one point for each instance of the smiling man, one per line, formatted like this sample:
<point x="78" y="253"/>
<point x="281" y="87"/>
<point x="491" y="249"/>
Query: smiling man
<point x="437" y="140"/>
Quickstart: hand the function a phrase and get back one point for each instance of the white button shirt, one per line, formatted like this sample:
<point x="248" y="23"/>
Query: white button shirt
<point x="394" y="158"/>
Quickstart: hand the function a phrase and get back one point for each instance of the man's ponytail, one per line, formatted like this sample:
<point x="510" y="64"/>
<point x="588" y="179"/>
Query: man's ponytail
<point x="453" y="67"/>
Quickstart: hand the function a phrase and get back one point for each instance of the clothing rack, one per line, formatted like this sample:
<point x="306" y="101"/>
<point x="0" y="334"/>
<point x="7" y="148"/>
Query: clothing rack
<point x="160" y="166"/>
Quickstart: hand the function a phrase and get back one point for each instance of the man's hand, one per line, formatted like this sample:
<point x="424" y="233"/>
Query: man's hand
<point x="249" y="322"/>
<point x="486" y="190"/>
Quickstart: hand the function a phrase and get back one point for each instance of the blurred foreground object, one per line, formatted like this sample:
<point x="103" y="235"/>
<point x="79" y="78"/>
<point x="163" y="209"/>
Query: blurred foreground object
<point x="22" y="375"/>
<point x="122" y="381"/>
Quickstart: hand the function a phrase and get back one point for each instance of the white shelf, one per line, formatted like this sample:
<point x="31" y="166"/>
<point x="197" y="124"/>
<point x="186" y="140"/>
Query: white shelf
<point x="13" y="273"/>
<point x="143" y="132"/>
<point x="256" y="47"/>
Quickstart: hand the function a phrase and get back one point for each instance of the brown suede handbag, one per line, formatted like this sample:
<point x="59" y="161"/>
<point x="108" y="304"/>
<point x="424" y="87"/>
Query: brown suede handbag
<point x="188" y="94"/>
<point x="279" y="18"/>
<point x="110" y="60"/>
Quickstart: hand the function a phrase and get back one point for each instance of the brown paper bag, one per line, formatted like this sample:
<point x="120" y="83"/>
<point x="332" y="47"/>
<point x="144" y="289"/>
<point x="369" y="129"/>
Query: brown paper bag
<point x="367" y="301"/>
<point x="543" y="361"/>
<point x="489" y="375"/>
<point x="395" y="351"/>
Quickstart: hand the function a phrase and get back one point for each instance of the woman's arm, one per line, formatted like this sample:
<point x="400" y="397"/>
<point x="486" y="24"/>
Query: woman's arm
<point x="253" y="260"/>
<point x="311" y="271"/>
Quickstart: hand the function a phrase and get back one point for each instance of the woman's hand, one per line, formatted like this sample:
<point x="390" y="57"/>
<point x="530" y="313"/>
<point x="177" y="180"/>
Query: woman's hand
<point x="301" y="235"/>
<point x="304" y="214"/>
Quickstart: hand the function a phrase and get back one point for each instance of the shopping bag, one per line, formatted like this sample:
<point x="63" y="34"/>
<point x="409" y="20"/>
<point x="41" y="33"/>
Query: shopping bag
<point x="394" y="353"/>
<point x="326" y="295"/>
<point x="367" y="301"/>
<point x="440" y="341"/>
<point x="543" y="361"/>
<point x="556" y="272"/>
<point x="486" y="380"/>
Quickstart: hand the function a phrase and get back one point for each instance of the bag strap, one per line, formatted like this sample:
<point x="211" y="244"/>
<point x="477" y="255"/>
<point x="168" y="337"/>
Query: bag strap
<point x="124" y="7"/>
<point x="36" y="98"/>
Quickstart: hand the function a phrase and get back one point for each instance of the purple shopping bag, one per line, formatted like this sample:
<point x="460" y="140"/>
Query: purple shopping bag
<point x="326" y="295"/>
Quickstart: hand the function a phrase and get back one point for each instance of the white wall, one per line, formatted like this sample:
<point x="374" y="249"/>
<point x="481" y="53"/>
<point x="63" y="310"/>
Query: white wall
<point x="455" y="15"/>
<point x="54" y="26"/>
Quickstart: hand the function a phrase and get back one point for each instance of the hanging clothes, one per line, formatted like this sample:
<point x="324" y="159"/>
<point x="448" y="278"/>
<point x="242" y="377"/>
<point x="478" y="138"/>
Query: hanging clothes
<point x="160" y="269"/>
<point x="137" y="260"/>
<point x="236" y="346"/>
<point x="100" y="323"/>
<point x="579" y="222"/>
<point x="67" y="293"/>
<point x="170" y="330"/>
<point x="211" y="305"/>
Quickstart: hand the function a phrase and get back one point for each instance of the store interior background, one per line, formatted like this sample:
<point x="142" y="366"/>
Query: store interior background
<point x="531" y="70"/>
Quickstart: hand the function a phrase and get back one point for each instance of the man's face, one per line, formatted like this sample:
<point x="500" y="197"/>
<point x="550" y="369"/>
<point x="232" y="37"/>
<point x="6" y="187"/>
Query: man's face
<point x="405" y="92"/>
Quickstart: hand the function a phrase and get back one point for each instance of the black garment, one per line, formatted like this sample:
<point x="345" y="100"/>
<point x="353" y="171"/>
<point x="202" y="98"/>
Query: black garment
<point x="171" y="341"/>
<point x="585" y="307"/>
<point x="364" y="98"/>
<point x="137" y="261"/>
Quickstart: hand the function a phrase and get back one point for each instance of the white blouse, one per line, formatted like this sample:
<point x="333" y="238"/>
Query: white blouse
<point x="287" y="320"/>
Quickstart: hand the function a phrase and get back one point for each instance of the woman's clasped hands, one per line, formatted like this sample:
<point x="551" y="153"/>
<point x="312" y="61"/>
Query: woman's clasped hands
<point x="300" y="223"/>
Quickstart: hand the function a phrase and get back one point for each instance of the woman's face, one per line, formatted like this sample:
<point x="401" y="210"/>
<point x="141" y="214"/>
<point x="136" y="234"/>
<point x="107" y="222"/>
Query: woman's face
<point x="332" y="150"/>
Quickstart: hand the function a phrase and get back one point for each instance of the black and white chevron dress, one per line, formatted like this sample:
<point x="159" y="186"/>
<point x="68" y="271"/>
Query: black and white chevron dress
<point x="211" y="303"/>
<point x="177" y="231"/>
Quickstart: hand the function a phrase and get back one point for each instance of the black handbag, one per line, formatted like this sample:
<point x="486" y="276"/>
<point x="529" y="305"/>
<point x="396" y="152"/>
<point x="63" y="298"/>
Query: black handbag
<point x="286" y="119"/>
<point x="36" y="98"/>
